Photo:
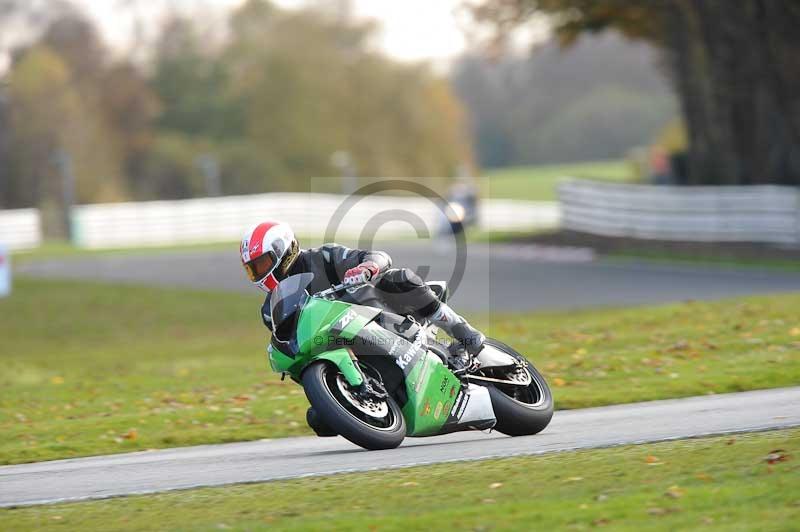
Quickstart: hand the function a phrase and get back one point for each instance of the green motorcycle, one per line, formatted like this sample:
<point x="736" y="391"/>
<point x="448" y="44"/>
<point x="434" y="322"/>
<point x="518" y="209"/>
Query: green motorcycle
<point x="375" y="377"/>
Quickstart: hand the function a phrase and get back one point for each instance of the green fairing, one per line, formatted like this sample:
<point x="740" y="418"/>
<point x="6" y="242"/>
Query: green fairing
<point x="313" y="338"/>
<point x="279" y="361"/>
<point x="357" y="323"/>
<point x="283" y="363"/>
<point x="316" y="321"/>
<point x="432" y="389"/>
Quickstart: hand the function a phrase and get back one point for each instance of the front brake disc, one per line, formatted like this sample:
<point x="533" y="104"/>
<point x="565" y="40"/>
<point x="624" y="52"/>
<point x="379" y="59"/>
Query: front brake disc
<point x="372" y="407"/>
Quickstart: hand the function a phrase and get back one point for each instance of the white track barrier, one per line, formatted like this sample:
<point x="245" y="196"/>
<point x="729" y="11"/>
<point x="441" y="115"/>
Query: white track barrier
<point x="224" y="219"/>
<point x="20" y="228"/>
<point x="762" y="213"/>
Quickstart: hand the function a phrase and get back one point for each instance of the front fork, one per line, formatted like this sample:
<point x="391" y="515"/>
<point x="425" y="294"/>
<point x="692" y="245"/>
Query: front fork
<point x="345" y="361"/>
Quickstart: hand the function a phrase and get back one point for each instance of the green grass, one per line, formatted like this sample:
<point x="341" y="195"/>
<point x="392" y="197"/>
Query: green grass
<point x="539" y="182"/>
<point x="723" y="483"/>
<point x="93" y="368"/>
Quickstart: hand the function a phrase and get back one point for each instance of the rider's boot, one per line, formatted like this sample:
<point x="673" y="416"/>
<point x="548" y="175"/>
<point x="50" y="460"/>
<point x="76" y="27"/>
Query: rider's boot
<point x="317" y="425"/>
<point x="467" y="338"/>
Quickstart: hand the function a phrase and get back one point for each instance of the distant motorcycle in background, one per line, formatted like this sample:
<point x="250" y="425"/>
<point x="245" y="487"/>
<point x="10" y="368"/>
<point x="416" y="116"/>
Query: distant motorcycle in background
<point x="460" y="210"/>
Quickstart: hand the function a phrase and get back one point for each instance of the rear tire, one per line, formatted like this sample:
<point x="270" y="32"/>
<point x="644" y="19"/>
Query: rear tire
<point x="527" y="414"/>
<point x="334" y="410"/>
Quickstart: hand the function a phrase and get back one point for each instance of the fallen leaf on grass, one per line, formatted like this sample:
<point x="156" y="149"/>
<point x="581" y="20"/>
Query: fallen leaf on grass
<point x="652" y="460"/>
<point x="409" y="484"/>
<point x="573" y="479"/>
<point x="601" y="522"/>
<point x="131" y="435"/>
<point x="495" y="485"/>
<point x="559" y="382"/>
<point x="674" y="492"/>
<point x="704" y="476"/>
<point x="241" y="399"/>
<point x="57" y="380"/>
<point x="679" y="346"/>
<point x="661" y="511"/>
<point x="778" y="455"/>
<point x="795" y="331"/>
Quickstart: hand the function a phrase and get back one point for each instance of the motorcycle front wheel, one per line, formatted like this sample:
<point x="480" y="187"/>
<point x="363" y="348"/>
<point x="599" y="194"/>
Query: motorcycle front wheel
<point x="369" y="423"/>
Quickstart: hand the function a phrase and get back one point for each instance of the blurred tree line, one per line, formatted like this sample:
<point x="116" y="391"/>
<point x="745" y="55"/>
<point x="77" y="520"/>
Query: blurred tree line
<point x="593" y="101"/>
<point x="269" y="104"/>
<point x="735" y="67"/>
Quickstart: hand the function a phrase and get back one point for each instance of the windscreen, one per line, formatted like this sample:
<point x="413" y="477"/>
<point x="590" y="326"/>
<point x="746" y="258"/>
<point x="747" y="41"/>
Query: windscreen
<point x="286" y="302"/>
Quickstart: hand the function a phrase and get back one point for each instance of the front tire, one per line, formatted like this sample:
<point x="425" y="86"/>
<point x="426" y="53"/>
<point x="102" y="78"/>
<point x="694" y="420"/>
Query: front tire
<point x="331" y="398"/>
<point x="521" y="411"/>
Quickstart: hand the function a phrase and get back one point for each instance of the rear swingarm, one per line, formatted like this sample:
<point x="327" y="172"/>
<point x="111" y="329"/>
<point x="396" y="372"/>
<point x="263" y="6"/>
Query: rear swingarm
<point x="499" y="381"/>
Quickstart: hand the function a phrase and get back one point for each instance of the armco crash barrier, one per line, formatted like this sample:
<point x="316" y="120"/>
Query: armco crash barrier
<point x="759" y="213"/>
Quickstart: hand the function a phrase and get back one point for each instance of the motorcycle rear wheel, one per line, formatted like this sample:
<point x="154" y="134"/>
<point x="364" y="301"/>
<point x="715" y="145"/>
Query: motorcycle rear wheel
<point x="368" y="424"/>
<point x="520" y="411"/>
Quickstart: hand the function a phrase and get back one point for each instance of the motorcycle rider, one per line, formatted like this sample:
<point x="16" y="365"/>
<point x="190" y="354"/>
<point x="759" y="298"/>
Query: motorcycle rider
<point x="270" y="253"/>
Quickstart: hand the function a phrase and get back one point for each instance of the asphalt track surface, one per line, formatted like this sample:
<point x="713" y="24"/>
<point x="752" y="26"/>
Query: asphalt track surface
<point x="258" y="461"/>
<point x="497" y="277"/>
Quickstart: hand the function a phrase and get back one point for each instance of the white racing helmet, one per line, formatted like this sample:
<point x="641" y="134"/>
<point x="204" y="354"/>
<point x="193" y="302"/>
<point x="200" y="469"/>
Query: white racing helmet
<point x="268" y="251"/>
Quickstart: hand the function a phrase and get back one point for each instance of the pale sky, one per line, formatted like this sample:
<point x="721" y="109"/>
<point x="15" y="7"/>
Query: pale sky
<point x="410" y="29"/>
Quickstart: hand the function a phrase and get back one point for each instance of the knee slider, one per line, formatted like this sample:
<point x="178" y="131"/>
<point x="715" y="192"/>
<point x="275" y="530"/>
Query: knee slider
<point x="409" y="279"/>
<point x="400" y="280"/>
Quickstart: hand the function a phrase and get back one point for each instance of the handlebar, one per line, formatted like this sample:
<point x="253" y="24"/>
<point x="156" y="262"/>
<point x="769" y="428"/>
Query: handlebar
<point x="336" y="288"/>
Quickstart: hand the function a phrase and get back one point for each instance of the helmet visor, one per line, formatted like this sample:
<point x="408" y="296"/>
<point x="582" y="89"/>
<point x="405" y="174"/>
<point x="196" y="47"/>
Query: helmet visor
<point x="260" y="267"/>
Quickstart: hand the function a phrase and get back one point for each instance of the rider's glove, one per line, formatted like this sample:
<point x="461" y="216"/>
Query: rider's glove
<point x="361" y="273"/>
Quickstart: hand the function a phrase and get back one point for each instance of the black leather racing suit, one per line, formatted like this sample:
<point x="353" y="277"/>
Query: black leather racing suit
<point x="402" y="290"/>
